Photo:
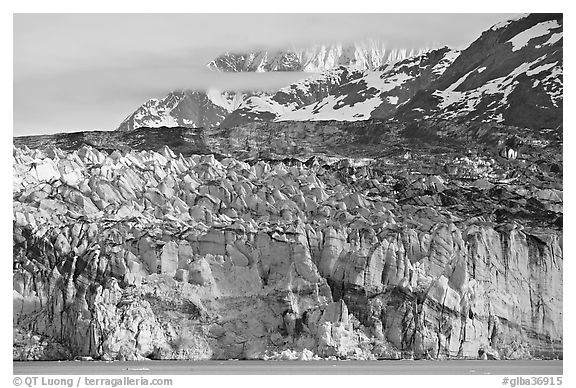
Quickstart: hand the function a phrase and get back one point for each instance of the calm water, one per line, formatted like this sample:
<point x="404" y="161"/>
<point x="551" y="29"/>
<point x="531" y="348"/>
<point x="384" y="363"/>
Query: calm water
<point x="401" y="367"/>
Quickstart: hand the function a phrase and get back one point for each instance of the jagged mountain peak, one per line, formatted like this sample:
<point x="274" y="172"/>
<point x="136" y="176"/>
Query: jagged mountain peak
<point x="183" y="108"/>
<point x="362" y="55"/>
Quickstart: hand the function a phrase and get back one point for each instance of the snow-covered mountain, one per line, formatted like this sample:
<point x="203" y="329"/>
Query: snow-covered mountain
<point x="291" y="98"/>
<point x="346" y="94"/>
<point x="383" y="90"/>
<point x="334" y="65"/>
<point x="184" y="108"/>
<point x="512" y="75"/>
<point x="368" y="55"/>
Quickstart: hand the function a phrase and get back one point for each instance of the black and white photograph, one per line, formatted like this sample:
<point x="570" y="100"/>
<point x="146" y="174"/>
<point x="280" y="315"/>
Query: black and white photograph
<point x="281" y="193"/>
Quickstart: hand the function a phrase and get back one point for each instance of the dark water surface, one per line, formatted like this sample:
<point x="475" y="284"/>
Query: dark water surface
<point x="401" y="367"/>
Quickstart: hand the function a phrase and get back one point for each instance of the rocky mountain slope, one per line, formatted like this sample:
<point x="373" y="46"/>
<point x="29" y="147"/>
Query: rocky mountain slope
<point x="382" y="90"/>
<point x="367" y="55"/>
<point x="344" y="94"/>
<point x="512" y="74"/>
<point x="184" y="108"/>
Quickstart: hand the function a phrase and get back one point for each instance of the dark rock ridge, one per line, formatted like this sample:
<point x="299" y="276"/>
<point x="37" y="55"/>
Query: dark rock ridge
<point x="187" y="141"/>
<point x="425" y="249"/>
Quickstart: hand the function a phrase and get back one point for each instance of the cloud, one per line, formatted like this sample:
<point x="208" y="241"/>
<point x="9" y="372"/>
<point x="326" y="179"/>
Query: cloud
<point x="89" y="99"/>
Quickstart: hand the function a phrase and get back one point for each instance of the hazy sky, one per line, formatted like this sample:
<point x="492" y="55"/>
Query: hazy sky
<point x="89" y="71"/>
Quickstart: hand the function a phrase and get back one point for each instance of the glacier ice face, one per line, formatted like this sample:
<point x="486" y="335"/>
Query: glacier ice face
<point x="153" y="255"/>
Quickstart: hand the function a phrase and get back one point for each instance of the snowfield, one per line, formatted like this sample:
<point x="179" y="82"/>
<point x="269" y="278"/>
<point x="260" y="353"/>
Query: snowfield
<point x="536" y="31"/>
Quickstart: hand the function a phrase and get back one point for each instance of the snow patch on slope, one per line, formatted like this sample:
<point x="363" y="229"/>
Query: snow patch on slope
<point x="536" y="31"/>
<point x="456" y="103"/>
<point x="553" y="39"/>
<point x="392" y="100"/>
<point x="226" y="100"/>
<point x="264" y="104"/>
<point x="504" y="23"/>
<point x="335" y="107"/>
<point x="553" y="85"/>
<point x="325" y="110"/>
<point x="541" y="68"/>
<point x="445" y="62"/>
<point x="459" y="81"/>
